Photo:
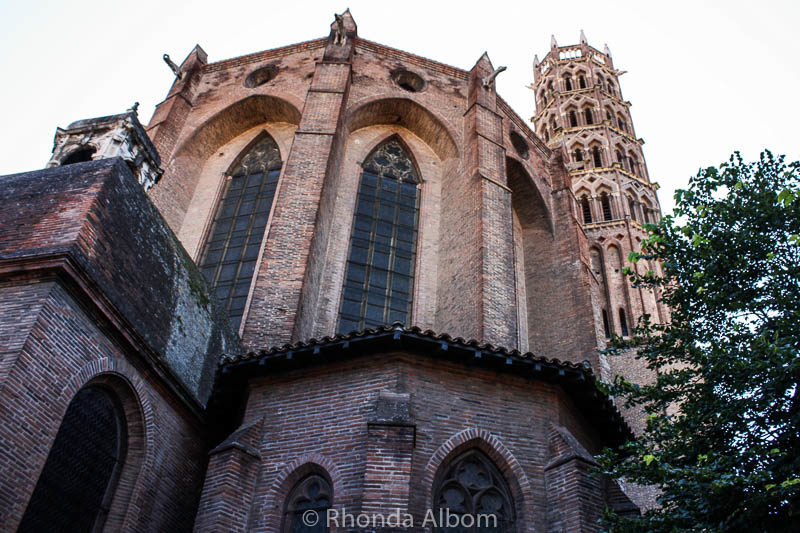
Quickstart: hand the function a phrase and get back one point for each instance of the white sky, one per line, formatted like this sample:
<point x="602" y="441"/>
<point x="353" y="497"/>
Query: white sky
<point x="704" y="78"/>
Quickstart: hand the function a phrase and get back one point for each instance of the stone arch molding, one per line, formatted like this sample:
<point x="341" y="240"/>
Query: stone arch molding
<point x="493" y="447"/>
<point x="234" y="120"/>
<point x="121" y="378"/>
<point x="420" y="121"/>
<point x="289" y="475"/>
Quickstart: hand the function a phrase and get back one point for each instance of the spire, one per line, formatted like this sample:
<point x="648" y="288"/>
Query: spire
<point x="583" y="38"/>
<point x="606" y="51"/>
<point x="535" y="60"/>
<point x="553" y="43"/>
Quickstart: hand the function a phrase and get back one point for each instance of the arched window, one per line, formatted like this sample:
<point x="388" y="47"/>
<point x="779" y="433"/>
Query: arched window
<point x="577" y="155"/>
<point x="311" y="496"/>
<point x="620" y="159"/>
<point x="622" y="124"/>
<point x="587" y="210"/>
<point x="632" y="207"/>
<point x="77" y="483"/>
<point x="471" y="485"/>
<point x="229" y="256"/>
<point x="380" y="269"/>
<point x="606" y="327"/>
<point x="623" y="324"/>
<point x="587" y="113"/>
<point x="598" y="160"/>
<point x="582" y="81"/>
<point x="606" y="205"/>
<point x="573" y="118"/>
<point x="568" y="83"/>
<point x="609" y="117"/>
<point x="81" y="155"/>
<point x="553" y="123"/>
<point x="610" y="88"/>
<point x="546" y="135"/>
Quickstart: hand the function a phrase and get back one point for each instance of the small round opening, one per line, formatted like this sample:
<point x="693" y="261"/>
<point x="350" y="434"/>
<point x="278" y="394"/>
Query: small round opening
<point x="408" y="80"/>
<point x="260" y="76"/>
<point x="520" y="145"/>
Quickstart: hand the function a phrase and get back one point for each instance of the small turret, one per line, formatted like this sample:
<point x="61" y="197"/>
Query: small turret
<point x="106" y="137"/>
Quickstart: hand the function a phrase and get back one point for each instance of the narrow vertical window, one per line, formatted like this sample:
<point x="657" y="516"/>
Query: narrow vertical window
<point x="229" y="256"/>
<point x="632" y="207"/>
<point x="587" y="210"/>
<point x="587" y="113"/>
<point x="606" y="205"/>
<point x="573" y="118"/>
<point x="77" y="482"/>
<point x="606" y="327"/>
<point x="380" y="269"/>
<point x="582" y="82"/>
<point x="598" y="161"/>
<point x="623" y="324"/>
<point x="306" y="508"/>
<point x="578" y="155"/>
<point x="568" y="83"/>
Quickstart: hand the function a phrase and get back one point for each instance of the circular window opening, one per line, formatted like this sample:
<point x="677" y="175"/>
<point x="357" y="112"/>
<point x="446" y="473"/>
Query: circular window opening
<point x="520" y="146"/>
<point x="260" y="76"/>
<point x="409" y="81"/>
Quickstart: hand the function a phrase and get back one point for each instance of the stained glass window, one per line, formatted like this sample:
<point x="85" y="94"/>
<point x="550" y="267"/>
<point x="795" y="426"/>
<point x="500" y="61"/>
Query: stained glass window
<point x="76" y="484"/>
<point x="473" y="489"/>
<point x="229" y="256"/>
<point x="380" y="269"/>
<point x="307" y="505"/>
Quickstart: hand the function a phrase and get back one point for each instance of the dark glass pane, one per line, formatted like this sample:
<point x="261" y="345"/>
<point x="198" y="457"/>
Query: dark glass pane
<point x="312" y="496"/>
<point x="472" y="485"/>
<point x="382" y="248"/>
<point x="238" y="229"/>
<point x="80" y="468"/>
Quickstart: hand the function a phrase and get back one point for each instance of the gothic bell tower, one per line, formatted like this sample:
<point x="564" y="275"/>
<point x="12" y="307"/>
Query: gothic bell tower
<point x="580" y="110"/>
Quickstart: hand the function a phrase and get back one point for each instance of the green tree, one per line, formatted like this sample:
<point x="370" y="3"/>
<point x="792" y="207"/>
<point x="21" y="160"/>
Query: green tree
<point x="722" y="440"/>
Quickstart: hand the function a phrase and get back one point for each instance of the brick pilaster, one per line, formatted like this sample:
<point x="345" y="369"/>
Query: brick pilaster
<point x="486" y="169"/>
<point x="391" y="435"/>
<point x="275" y="305"/>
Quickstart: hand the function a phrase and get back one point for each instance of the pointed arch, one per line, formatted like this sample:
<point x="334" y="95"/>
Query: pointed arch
<point x="379" y="278"/>
<point x="502" y="458"/>
<point x="419" y="120"/>
<point x="231" y="247"/>
<point x="471" y="485"/>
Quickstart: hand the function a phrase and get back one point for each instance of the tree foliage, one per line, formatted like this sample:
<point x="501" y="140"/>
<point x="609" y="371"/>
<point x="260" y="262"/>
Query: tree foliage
<point x="722" y="440"/>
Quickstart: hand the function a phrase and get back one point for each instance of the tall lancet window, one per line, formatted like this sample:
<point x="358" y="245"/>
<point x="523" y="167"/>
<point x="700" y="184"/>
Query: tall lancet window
<point x="231" y="250"/>
<point x="380" y="269"/>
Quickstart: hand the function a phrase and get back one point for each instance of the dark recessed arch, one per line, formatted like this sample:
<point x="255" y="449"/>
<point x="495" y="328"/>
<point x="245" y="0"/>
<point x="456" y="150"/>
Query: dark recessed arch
<point x="234" y="120"/>
<point x="409" y="114"/>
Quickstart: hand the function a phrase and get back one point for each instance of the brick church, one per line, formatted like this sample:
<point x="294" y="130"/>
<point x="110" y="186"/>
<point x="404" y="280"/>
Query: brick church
<point x="329" y="279"/>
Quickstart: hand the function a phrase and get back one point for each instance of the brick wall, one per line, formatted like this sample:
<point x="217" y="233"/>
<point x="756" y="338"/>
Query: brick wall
<point x="331" y="416"/>
<point x="64" y="350"/>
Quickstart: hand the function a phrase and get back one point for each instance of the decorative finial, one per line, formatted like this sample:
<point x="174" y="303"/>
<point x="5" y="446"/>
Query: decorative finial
<point x="175" y="68"/>
<point x="489" y="80"/>
<point x="583" y="38"/>
<point x="606" y="50"/>
<point x="553" y="43"/>
<point x="535" y="60"/>
<point x="134" y="108"/>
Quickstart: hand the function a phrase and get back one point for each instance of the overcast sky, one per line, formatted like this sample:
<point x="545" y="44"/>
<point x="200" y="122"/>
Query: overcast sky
<point x="704" y="78"/>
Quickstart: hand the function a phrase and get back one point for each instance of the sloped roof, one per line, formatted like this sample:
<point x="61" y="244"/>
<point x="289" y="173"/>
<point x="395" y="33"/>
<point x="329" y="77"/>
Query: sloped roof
<point x="577" y="379"/>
